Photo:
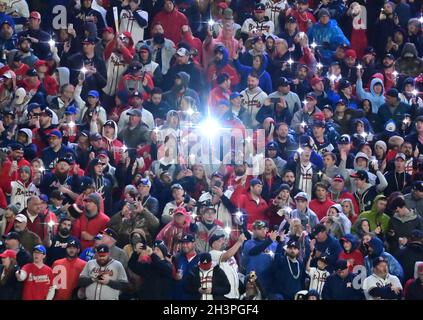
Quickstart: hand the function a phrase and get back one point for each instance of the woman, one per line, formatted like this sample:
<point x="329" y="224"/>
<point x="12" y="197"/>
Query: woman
<point x="260" y="63"/>
<point x="280" y="206"/>
<point x="188" y="111"/>
<point x="350" y="251"/>
<point x="380" y="151"/>
<point x="7" y="88"/>
<point x="201" y="183"/>
<point x="270" y="45"/>
<point x="336" y="212"/>
<point x="366" y="105"/>
<point x="333" y="226"/>
<point x="271" y="179"/>
<point x="348" y="209"/>
<point x="10" y="287"/>
<point x="363" y="228"/>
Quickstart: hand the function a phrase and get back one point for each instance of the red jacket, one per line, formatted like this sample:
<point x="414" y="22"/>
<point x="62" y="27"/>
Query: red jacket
<point x="321" y="208"/>
<point x="213" y="72"/>
<point x="354" y="258"/>
<point x="194" y="43"/>
<point x="254" y="211"/>
<point x="239" y="189"/>
<point x="302" y="18"/>
<point x="40" y="224"/>
<point x="39" y="141"/>
<point x="51" y="85"/>
<point x="3" y="201"/>
<point x="128" y="52"/>
<point x="93" y="226"/>
<point x="216" y="95"/>
<point x="20" y="73"/>
<point x="172" y="23"/>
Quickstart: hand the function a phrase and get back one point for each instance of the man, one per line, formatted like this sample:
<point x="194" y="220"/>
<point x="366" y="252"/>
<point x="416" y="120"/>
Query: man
<point x="12" y="242"/>
<point x="205" y="228"/>
<point x="285" y="141"/>
<point x="148" y="201"/>
<point x="222" y="91"/>
<point x="289" y="99"/>
<point x="253" y="97"/>
<point x="322" y="202"/>
<point x="103" y="182"/>
<point x="39" y="38"/>
<point x="304" y="117"/>
<point x="181" y="87"/>
<point x="27" y="238"/>
<point x="95" y="77"/>
<point x="59" y="242"/>
<point x="303" y="15"/>
<point x="302" y="211"/>
<point x="226" y="261"/>
<point x="41" y="223"/>
<point x="381" y="285"/>
<point x="23" y="188"/>
<point x="220" y="199"/>
<point x="134" y="20"/>
<point x="404" y="221"/>
<point x="414" y="290"/>
<point x="326" y="244"/>
<point x="259" y="23"/>
<point x="376" y="251"/>
<point x="171" y="20"/>
<point x="322" y="142"/>
<point x="417" y="136"/>
<point x="340" y="285"/>
<point x="135" y="133"/>
<point x="109" y="238"/>
<point x="179" y="200"/>
<point x="414" y="199"/>
<point x="378" y="219"/>
<point x="365" y="191"/>
<point x="67" y="271"/>
<point x="184" y="262"/>
<point x="64" y="99"/>
<point x="397" y="179"/>
<point x="43" y="127"/>
<point x="258" y="252"/>
<point x="288" y="270"/>
<point x="136" y="102"/>
<point x="221" y="66"/>
<point x="338" y="192"/>
<point x="411" y="253"/>
<point x="327" y="34"/>
<point x="104" y="277"/>
<point x="98" y="221"/>
<point x="393" y="108"/>
<point x="253" y="203"/>
<point x="205" y="282"/>
<point x="55" y="150"/>
<point x="156" y="105"/>
<point x="26" y="54"/>
<point x="37" y="277"/>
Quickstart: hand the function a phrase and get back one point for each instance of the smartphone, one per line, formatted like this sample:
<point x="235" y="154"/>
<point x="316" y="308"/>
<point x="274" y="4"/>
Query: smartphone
<point x="218" y="184"/>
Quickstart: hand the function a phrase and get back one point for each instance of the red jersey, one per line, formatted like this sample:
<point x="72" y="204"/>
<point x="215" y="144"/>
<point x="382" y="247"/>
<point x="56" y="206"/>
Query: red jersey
<point x="66" y="275"/>
<point x="37" y="283"/>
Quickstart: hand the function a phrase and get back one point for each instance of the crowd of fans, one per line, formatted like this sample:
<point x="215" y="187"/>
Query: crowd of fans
<point x="104" y="194"/>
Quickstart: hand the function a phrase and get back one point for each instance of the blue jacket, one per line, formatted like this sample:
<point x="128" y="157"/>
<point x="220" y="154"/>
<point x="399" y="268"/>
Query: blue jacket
<point x="376" y="100"/>
<point x="284" y="282"/>
<point x="385" y="114"/>
<point x="50" y="157"/>
<point x="255" y="256"/>
<point x="336" y="288"/>
<point x="394" y="266"/>
<point x="265" y="81"/>
<point x="330" y="248"/>
<point x="329" y="37"/>
<point x="181" y="263"/>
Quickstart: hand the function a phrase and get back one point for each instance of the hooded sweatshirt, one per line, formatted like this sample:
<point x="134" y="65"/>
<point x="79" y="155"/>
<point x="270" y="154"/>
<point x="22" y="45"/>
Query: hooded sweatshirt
<point x="409" y="64"/>
<point x="172" y="233"/>
<point x="346" y="223"/>
<point x="173" y="96"/>
<point x="402" y="226"/>
<point x="222" y="66"/>
<point x="265" y="82"/>
<point x="252" y="101"/>
<point x="113" y="145"/>
<point x="374" y="217"/>
<point x="353" y="256"/>
<point x="172" y="23"/>
<point x="376" y="100"/>
<point x="379" y="251"/>
<point x="151" y="67"/>
<point x="30" y="149"/>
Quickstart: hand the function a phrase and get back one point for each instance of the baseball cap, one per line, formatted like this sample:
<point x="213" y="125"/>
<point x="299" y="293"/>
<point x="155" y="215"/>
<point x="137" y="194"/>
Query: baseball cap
<point x="21" y="218"/>
<point x="234" y="95"/>
<point x="176" y="186"/>
<point x="215" y="237"/>
<point x="318" y="123"/>
<point x="301" y="195"/>
<point x="8" y="254"/>
<point x="311" y="95"/>
<point x="400" y="155"/>
<point x="205" y="258"/>
<point x="70" y="110"/>
<point x="86" y="182"/>
<point x="144" y="182"/>
<point x="344" y="139"/>
<point x="292" y="19"/>
<point x="418" y="186"/>
<point x="324" y="259"/>
<point x="110" y="232"/>
<point x="95" y="136"/>
<point x="188" y="238"/>
<point x="272" y="145"/>
<point x="44" y="198"/>
<point x="350" y="53"/>
<point x="56" y="194"/>
<point x="327" y="106"/>
<point x="102" y="250"/>
<point x="12" y="235"/>
<point x="40" y="248"/>
<point x="360" y="174"/>
<point x="74" y="243"/>
<point x="103" y="154"/>
<point x="35" y="15"/>
<point x="344" y="84"/>
<point x="341" y="264"/>
<point x="182" y="52"/>
<point x="93" y="93"/>
<point x="89" y="40"/>
<point x="283" y="82"/>
<point x="339" y="178"/>
<point x="255" y="182"/>
<point x="98" y="236"/>
<point x="259" y="7"/>
<point x="379" y="260"/>
<point x="135" y="113"/>
<point x="16" y="147"/>
<point x="260" y="224"/>
<point x="32" y="73"/>
<point x="389" y="56"/>
<point x="55" y="133"/>
<point x="256" y="39"/>
<point x="292" y="243"/>
<point x="392" y="93"/>
<point x="180" y="210"/>
<point x="109" y="30"/>
<point x="317" y="229"/>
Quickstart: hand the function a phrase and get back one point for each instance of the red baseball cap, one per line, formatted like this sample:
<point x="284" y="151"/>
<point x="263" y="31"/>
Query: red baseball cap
<point x="350" y="53"/>
<point x="315" y="80"/>
<point x="8" y="254"/>
<point x="35" y="15"/>
<point x="109" y="30"/>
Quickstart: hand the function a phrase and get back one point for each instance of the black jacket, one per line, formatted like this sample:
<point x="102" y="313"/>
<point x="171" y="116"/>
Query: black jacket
<point x="408" y="257"/>
<point x="10" y="289"/>
<point x="415" y="290"/>
<point x="220" y="283"/>
<point x="398" y="228"/>
<point x="157" y="277"/>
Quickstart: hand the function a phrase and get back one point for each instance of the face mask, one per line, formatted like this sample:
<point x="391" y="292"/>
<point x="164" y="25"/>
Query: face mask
<point x="158" y="38"/>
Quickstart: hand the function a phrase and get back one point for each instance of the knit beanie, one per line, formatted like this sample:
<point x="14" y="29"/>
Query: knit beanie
<point x="382" y="145"/>
<point x="95" y="198"/>
<point x="323" y="12"/>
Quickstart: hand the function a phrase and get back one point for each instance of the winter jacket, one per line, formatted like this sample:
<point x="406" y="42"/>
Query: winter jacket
<point x="386" y="115"/>
<point x="185" y="265"/>
<point x="337" y="288"/>
<point x="92" y="225"/>
<point x="173" y="96"/>
<point x="376" y="100"/>
<point x="222" y="66"/>
<point x="166" y="53"/>
<point x="394" y="266"/>
<point x="172" y="23"/>
<point x="401" y="227"/>
<point x="220" y="283"/>
<point x="254" y="211"/>
<point x="374" y="217"/>
<point x="409" y="66"/>
<point x="156" y="275"/>
<point x="149" y="66"/>
<point x="408" y="256"/>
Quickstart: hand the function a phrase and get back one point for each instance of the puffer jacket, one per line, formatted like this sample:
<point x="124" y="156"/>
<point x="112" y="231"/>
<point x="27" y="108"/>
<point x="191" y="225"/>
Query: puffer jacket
<point x="409" y="64"/>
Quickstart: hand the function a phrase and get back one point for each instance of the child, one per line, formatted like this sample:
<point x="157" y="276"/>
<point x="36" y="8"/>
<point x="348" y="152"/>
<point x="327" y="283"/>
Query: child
<point x="317" y="275"/>
<point x="350" y="251"/>
<point x="23" y="188"/>
<point x="56" y="206"/>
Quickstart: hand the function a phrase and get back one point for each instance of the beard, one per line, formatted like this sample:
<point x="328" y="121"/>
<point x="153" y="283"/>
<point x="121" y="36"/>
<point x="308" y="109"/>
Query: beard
<point x="25" y="50"/>
<point x="64" y="232"/>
